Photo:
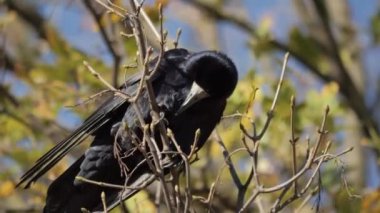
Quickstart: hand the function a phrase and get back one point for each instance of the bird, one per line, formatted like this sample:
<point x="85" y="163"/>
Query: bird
<point x="191" y="91"/>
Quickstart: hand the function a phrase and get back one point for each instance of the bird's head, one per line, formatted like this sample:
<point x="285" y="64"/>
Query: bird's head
<point x="214" y="74"/>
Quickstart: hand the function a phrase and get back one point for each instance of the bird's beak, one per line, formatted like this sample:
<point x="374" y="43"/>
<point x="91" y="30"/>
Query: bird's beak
<point x="196" y="94"/>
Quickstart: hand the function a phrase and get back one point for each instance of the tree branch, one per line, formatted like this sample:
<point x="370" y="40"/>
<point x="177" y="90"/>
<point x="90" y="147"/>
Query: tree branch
<point x="111" y="39"/>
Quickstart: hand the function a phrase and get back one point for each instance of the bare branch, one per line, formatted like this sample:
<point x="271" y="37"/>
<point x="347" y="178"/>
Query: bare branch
<point x="112" y="41"/>
<point x="178" y="35"/>
<point x="284" y="64"/>
<point x="104" y="203"/>
<point x="110" y="9"/>
<point x="98" y="76"/>
<point x="293" y="141"/>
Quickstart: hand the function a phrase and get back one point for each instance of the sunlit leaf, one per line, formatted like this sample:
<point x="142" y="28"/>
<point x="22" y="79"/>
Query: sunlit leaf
<point x="370" y="202"/>
<point x="6" y="189"/>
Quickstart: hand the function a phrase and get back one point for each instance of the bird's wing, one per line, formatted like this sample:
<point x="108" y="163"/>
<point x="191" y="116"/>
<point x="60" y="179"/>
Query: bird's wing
<point x="90" y="125"/>
<point x="100" y="117"/>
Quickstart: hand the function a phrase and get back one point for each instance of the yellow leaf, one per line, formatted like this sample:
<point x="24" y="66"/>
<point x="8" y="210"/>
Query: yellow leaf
<point x="370" y="202"/>
<point x="140" y="203"/>
<point x="330" y="89"/>
<point x="44" y="110"/>
<point x="115" y="18"/>
<point x="265" y="25"/>
<point x="57" y="170"/>
<point x="6" y="188"/>
<point x="38" y="76"/>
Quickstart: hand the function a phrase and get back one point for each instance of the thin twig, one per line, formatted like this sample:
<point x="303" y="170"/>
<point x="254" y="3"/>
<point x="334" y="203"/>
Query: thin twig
<point x="110" y="9"/>
<point x="284" y="64"/>
<point x="178" y="35"/>
<point x="195" y="143"/>
<point x="98" y="76"/>
<point x="270" y="114"/>
<point x="309" y="162"/>
<point x="233" y="172"/>
<point x="110" y="39"/>
<point x="101" y="184"/>
<point x="293" y="141"/>
<point x="89" y="99"/>
<point x="104" y="203"/>
<point x="102" y="80"/>
<point x="147" y="20"/>
<point x="307" y="199"/>
<point x="185" y="159"/>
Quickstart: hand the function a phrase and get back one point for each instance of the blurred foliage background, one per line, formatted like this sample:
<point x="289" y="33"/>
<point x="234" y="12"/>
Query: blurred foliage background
<point x="335" y="52"/>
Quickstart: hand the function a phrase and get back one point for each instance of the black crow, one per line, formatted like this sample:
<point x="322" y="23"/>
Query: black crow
<point x="191" y="91"/>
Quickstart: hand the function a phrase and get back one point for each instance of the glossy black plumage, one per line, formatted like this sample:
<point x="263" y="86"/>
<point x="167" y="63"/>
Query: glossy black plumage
<point x="191" y="90"/>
